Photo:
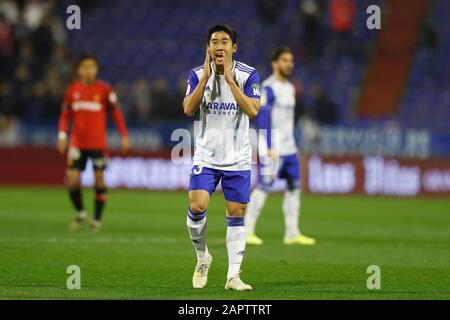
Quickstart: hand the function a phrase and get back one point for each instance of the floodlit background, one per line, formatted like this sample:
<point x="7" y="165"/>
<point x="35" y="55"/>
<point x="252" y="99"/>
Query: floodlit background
<point x="373" y="124"/>
<point x="372" y="94"/>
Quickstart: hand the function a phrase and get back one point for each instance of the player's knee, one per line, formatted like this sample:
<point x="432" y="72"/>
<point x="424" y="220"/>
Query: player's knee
<point x="73" y="184"/>
<point x="100" y="189"/>
<point x="99" y="180"/>
<point x="197" y="207"/>
<point x="73" y="179"/>
<point x="99" y="185"/>
<point x="237" y="212"/>
<point x="293" y="184"/>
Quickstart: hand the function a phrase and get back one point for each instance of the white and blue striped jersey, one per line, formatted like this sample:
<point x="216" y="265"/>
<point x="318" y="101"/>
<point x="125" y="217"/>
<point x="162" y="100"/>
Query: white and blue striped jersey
<point x="277" y="112"/>
<point x="222" y="139"/>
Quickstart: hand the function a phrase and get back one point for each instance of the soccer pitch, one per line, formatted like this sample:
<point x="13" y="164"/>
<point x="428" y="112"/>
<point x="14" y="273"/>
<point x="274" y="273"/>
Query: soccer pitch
<point x="144" y="252"/>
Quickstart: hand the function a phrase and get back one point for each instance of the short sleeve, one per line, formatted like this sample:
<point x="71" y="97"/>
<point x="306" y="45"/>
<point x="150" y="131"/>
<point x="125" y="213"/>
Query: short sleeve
<point x="251" y="87"/>
<point x="267" y="98"/>
<point x="264" y="115"/>
<point x="192" y="82"/>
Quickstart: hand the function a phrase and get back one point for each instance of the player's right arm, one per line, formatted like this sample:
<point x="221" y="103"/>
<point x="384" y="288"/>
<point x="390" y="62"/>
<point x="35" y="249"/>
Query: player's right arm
<point x="64" y="120"/>
<point x="196" y="87"/>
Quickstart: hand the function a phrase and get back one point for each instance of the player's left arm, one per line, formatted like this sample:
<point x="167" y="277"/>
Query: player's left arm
<point x="248" y="99"/>
<point x="119" y="120"/>
<point x="264" y="119"/>
<point x="64" y="121"/>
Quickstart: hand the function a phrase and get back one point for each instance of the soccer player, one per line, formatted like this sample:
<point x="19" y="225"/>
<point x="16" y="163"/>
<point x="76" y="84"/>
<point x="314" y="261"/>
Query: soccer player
<point x="86" y="103"/>
<point x="227" y="93"/>
<point x="277" y="148"/>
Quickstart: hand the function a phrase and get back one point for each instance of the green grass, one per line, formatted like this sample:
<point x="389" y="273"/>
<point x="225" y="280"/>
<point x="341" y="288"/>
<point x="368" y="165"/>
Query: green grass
<point x="143" y="250"/>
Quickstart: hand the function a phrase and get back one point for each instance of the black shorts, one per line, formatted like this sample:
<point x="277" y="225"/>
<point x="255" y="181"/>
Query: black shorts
<point x="77" y="159"/>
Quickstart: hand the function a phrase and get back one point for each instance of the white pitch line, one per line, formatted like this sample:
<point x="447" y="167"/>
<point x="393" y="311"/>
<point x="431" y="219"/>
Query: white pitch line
<point x="106" y="240"/>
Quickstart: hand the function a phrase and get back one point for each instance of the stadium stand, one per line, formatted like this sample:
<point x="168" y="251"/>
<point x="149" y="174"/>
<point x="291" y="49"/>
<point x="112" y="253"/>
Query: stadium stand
<point x="147" y="49"/>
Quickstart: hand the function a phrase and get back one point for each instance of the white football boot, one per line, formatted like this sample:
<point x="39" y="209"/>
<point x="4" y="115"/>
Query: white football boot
<point x="237" y="284"/>
<point x="78" y="220"/>
<point x="200" y="277"/>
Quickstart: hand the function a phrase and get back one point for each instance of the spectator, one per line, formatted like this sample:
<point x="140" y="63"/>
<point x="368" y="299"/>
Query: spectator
<point x="300" y="110"/>
<point x="310" y="17"/>
<point x="33" y="13"/>
<point x="6" y="38"/>
<point x="324" y="110"/>
<point x="160" y="98"/>
<point x="430" y="41"/>
<point x="176" y="109"/>
<point x="141" y="99"/>
<point x="57" y="25"/>
<point x="62" y="63"/>
<point x="55" y="92"/>
<point x="22" y="89"/>
<point x="38" y="102"/>
<point x="26" y="57"/>
<point x="43" y="42"/>
<point x="342" y="15"/>
<point x="11" y="12"/>
<point x="342" y="18"/>
<point x="270" y="11"/>
<point x="125" y="100"/>
<point x="6" y="46"/>
<point x="6" y="98"/>
<point x="9" y="131"/>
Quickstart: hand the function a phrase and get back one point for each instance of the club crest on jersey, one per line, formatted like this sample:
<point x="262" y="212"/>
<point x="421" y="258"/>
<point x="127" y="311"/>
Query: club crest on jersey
<point x="97" y="97"/>
<point x="196" y="170"/>
<point x="255" y="88"/>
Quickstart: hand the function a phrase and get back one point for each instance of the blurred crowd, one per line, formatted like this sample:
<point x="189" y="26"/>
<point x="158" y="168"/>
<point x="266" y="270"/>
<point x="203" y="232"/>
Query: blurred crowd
<point x="36" y="66"/>
<point x="315" y="19"/>
<point x="36" y="63"/>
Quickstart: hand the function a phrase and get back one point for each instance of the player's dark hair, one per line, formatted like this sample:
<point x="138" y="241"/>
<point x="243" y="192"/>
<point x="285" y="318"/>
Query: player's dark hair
<point x="86" y="56"/>
<point x="278" y="52"/>
<point x="225" y="28"/>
